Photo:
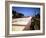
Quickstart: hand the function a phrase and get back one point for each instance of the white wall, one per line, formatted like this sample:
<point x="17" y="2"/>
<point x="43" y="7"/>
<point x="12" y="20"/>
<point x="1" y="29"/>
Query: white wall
<point x="2" y="19"/>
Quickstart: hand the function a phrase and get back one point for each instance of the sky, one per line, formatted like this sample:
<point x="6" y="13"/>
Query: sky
<point x="27" y="11"/>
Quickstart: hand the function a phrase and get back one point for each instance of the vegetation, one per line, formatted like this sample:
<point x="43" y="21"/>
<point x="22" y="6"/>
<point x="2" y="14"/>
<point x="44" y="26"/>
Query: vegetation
<point x="17" y="15"/>
<point x="35" y="22"/>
